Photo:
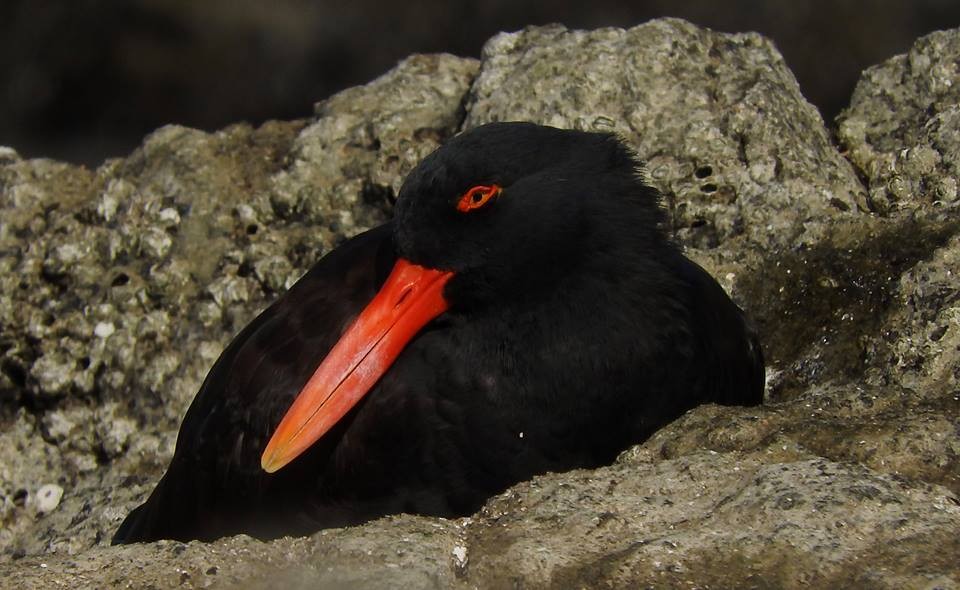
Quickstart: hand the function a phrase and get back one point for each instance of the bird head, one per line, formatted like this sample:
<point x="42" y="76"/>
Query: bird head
<point x="497" y="213"/>
<point x="511" y="208"/>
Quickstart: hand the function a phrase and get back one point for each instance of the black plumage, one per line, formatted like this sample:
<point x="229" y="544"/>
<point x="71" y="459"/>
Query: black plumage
<point x="575" y="328"/>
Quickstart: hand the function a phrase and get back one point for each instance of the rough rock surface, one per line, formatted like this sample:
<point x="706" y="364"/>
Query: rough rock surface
<point x="718" y="119"/>
<point x="902" y="129"/>
<point x="119" y="287"/>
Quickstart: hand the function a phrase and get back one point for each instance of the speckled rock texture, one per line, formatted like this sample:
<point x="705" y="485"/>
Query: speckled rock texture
<point x="120" y="286"/>
<point x="718" y="119"/>
<point x="902" y="129"/>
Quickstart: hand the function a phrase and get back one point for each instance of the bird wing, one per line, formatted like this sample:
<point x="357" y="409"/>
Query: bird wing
<point x="215" y="477"/>
<point x="732" y="359"/>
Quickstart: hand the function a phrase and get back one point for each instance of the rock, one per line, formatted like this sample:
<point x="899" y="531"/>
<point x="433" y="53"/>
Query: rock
<point x="707" y="519"/>
<point x="120" y="286"/>
<point x="48" y="498"/>
<point x="652" y="523"/>
<point x="8" y="154"/>
<point x="902" y="129"/>
<point x="718" y="119"/>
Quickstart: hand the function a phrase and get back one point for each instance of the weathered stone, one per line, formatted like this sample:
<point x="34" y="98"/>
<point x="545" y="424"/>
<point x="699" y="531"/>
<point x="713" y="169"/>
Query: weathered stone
<point x="48" y="498"/>
<point x="902" y="129"/>
<point x="707" y="519"/>
<point x="718" y="119"/>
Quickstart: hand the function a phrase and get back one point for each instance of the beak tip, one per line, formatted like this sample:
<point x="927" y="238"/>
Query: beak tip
<point x="269" y="463"/>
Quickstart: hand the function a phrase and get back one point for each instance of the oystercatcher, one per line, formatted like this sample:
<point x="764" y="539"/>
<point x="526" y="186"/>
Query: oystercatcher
<point x="524" y="312"/>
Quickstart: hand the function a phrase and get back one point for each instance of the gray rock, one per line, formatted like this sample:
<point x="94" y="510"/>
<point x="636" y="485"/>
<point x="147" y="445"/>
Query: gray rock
<point x="707" y="519"/>
<point x="902" y="129"/>
<point x="48" y="497"/>
<point x="120" y="286"/>
<point x="718" y="119"/>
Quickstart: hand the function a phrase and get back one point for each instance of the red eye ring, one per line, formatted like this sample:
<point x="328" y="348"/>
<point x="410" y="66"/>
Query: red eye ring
<point x="477" y="197"/>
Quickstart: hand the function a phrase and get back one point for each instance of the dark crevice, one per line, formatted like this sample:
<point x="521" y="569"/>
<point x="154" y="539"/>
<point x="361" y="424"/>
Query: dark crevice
<point x="465" y="100"/>
<point x="742" y="149"/>
<point x="378" y="195"/>
<point x="15" y="372"/>
<point x="833" y="296"/>
<point x="59" y="280"/>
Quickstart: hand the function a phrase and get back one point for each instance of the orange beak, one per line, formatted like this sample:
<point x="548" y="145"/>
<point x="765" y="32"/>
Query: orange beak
<point x="411" y="297"/>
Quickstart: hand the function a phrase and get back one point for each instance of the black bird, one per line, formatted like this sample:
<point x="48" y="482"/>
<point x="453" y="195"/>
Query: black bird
<point x="524" y="312"/>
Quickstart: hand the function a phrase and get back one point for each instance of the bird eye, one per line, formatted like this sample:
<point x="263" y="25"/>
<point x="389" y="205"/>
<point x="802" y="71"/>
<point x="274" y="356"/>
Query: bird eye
<point x="477" y="197"/>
